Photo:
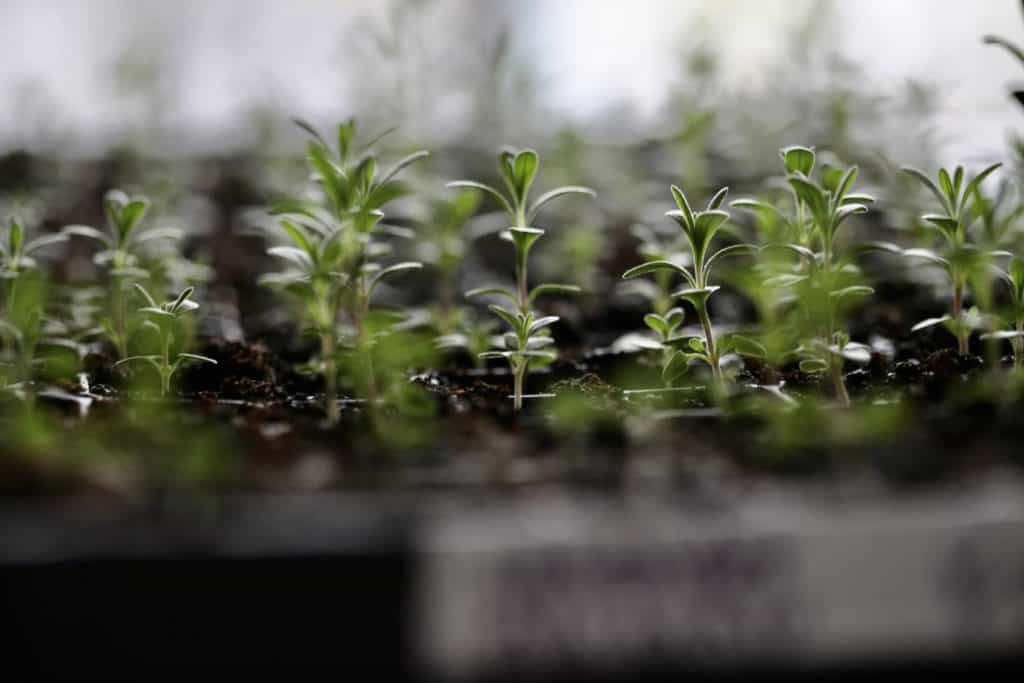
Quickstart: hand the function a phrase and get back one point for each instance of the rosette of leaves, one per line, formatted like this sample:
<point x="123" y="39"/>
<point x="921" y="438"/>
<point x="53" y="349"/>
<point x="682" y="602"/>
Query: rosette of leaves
<point x="163" y="320"/>
<point x="700" y="229"/>
<point x="334" y="252"/>
<point x="527" y="339"/>
<point x="825" y="283"/>
<point x="121" y="256"/>
<point x="960" y="259"/>
<point x="1013" y="278"/>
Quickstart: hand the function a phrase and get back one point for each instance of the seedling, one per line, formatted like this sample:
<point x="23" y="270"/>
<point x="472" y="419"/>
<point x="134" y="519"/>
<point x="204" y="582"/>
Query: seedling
<point x="333" y="258"/>
<point x="798" y="227"/>
<point x="654" y="245"/>
<point x="827" y="203"/>
<point x="525" y="342"/>
<point x="16" y="255"/>
<point x="121" y="256"/>
<point x="443" y="246"/>
<point x="472" y="336"/>
<point x="824" y="282"/>
<point x="957" y="256"/>
<point x="700" y="228"/>
<point x="163" y="320"/>
<point x="1013" y="277"/>
<point x="20" y="323"/>
<point x="998" y="215"/>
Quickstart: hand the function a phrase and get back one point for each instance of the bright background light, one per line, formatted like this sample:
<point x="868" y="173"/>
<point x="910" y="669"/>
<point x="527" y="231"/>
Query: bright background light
<point x="224" y="57"/>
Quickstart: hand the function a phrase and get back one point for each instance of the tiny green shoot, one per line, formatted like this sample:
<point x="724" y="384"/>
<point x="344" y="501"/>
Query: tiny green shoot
<point x="959" y="258"/>
<point x="162" y="319"/>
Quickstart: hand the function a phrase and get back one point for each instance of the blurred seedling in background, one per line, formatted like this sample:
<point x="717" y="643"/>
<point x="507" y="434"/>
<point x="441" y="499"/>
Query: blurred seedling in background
<point x="22" y="288"/>
<point x="441" y="244"/>
<point x="700" y="228"/>
<point x="998" y="216"/>
<point x="475" y="337"/>
<point x="655" y="245"/>
<point x="774" y="225"/>
<point x="333" y="259"/>
<point x="826" y="283"/>
<point x="1013" y="278"/>
<point x="961" y="260"/>
<point x="121" y="256"/>
<point x="163" y="320"/>
<point x="528" y="339"/>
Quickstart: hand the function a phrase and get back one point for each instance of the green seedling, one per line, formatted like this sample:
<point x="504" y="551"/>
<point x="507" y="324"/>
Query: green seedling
<point x="800" y="226"/>
<point x="998" y="215"/>
<point x="472" y="336"/>
<point x="22" y="296"/>
<point x="960" y="259"/>
<point x="333" y="257"/>
<point x="163" y="319"/>
<point x="1013" y="277"/>
<point x="121" y="256"/>
<point x="654" y="245"/>
<point x="700" y="228"/>
<point x="823" y="283"/>
<point x="17" y="254"/>
<point x="442" y="245"/>
<point x="528" y="340"/>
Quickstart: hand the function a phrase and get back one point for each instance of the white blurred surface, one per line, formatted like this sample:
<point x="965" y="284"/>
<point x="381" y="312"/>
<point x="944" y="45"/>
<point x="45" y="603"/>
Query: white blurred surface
<point x="225" y="56"/>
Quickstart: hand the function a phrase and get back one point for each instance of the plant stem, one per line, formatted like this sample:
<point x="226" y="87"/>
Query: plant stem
<point x="518" y="374"/>
<point x="1018" y="345"/>
<point x="836" y="367"/>
<point x="520" y="369"/>
<point x="362" y="309"/>
<point x="328" y="349"/>
<point x="709" y="343"/>
<point x="835" y="360"/>
<point x="165" y="368"/>
<point x="958" y="303"/>
<point x="120" y="335"/>
<point x="446" y="306"/>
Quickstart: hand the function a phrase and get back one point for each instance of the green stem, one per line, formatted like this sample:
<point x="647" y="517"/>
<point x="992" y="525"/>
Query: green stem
<point x="835" y="360"/>
<point x="362" y="310"/>
<point x="958" y="303"/>
<point x="328" y="351"/>
<point x="165" y="372"/>
<point x="118" y="314"/>
<point x="836" y="367"/>
<point x="709" y="344"/>
<point x="518" y="375"/>
<point x="1018" y="345"/>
